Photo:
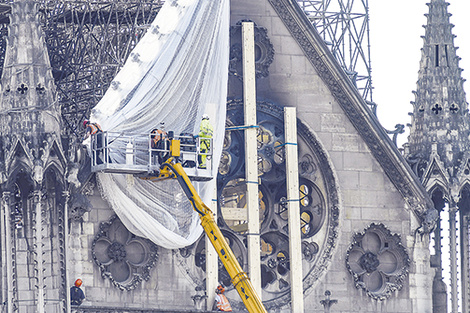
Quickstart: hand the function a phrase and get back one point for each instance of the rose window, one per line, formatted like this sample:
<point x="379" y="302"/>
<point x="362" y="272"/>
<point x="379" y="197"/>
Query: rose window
<point x="378" y="261"/>
<point x="233" y="205"/>
<point x="312" y="210"/>
<point x="238" y="248"/>
<point x="121" y="256"/>
<point x="318" y="207"/>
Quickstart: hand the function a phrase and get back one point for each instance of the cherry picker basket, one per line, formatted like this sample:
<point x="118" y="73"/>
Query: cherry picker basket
<point x="113" y="152"/>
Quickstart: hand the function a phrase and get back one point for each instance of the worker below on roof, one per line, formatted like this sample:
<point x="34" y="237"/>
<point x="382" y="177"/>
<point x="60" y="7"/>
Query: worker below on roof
<point x="221" y="303"/>
<point x="205" y="131"/>
<point x="91" y="129"/>
<point x="76" y="294"/>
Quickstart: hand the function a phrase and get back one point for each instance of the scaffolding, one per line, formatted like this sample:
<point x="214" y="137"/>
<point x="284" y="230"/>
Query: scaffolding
<point x="344" y="26"/>
<point x="88" y="42"/>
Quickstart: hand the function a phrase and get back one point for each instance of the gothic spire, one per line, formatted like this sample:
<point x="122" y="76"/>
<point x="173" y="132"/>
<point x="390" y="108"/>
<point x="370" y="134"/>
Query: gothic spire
<point x="27" y="102"/>
<point x="440" y="123"/>
<point x="29" y="113"/>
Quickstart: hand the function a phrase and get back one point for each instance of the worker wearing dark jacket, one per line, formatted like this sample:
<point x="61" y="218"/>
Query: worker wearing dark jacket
<point x="91" y="129"/>
<point x="160" y="143"/>
<point x="76" y="294"/>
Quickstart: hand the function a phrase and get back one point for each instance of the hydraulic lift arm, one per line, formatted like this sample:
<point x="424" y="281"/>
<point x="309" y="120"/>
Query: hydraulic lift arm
<point x="172" y="168"/>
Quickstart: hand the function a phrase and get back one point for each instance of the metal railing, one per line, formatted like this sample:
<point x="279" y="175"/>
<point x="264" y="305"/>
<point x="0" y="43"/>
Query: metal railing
<point x="140" y="154"/>
<point x="96" y="309"/>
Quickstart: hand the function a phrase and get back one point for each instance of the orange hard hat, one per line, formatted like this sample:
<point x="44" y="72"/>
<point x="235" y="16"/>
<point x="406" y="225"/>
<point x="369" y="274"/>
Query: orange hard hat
<point x="220" y="289"/>
<point x="78" y="282"/>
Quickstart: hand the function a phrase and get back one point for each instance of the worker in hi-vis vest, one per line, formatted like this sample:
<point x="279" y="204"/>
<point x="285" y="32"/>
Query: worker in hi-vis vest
<point x="221" y="302"/>
<point x="205" y="131"/>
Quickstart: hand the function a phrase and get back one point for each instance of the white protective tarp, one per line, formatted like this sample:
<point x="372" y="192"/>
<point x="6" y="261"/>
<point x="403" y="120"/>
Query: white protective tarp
<point x="177" y="72"/>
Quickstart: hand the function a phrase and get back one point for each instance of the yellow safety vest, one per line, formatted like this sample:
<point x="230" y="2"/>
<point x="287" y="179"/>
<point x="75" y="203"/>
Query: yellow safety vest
<point x="206" y="130"/>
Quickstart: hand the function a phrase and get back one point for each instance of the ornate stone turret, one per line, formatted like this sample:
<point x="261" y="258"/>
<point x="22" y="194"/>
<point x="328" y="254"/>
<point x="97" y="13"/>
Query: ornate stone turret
<point x="29" y="112"/>
<point x="32" y="168"/>
<point x="439" y="146"/>
<point x="27" y="103"/>
<point x="440" y="125"/>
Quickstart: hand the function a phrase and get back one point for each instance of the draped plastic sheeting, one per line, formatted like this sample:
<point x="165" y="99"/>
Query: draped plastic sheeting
<point x="177" y="72"/>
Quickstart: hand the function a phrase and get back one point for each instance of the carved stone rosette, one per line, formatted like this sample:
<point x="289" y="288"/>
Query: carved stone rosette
<point x="378" y="261"/>
<point x="264" y="51"/>
<point x="122" y="257"/>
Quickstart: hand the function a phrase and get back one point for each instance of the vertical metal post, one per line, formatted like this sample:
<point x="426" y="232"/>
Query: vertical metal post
<point x="454" y="293"/>
<point x="251" y="155"/>
<point x="39" y="257"/>
<point x="6" y="252"/>
<point x="295" y="241"/>
<point x="212" y="268"/>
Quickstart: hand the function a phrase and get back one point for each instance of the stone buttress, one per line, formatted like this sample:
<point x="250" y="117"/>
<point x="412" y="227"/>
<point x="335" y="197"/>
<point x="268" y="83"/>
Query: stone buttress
<point x="32" y="169"/>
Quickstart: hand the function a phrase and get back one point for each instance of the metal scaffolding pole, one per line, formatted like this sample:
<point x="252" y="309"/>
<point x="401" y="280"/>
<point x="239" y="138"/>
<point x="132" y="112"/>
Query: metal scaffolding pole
<point x="344" y="26"/>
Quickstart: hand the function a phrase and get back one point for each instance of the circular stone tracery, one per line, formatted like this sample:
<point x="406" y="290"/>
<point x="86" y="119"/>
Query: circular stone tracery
<point x="318" y="202"/>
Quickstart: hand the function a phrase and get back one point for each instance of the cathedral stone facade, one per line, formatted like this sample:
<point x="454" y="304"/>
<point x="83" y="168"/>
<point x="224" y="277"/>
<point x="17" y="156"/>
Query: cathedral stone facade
<point x="366" y="212"/>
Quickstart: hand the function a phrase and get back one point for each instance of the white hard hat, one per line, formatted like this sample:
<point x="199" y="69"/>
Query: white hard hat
<point x="205" y="116"/>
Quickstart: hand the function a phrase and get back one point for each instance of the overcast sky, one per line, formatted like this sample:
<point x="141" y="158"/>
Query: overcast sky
<point x="396" y="27"/>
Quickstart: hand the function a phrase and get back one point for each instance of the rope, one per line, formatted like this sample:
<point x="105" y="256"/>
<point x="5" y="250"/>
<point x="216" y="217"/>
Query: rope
<point x="241" y="127"/>
<point x="287" y="143"/>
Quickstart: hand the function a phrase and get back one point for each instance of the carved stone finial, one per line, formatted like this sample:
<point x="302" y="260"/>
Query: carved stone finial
<point x="327" y="303"/>
<point x="199" y="298"/>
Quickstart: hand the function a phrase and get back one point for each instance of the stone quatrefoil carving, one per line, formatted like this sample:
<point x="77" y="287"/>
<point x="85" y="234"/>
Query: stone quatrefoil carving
<point x="378" y="261"/>
<point x="121" y="256"/>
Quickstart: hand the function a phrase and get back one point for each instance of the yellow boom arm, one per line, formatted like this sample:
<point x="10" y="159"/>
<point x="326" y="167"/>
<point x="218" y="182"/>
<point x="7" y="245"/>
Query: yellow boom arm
<point x="171" y="168"/>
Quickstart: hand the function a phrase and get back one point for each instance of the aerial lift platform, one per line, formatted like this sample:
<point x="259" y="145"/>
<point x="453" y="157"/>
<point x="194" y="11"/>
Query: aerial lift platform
<point x="141" y="159"/>
<point x="178" y="159"/>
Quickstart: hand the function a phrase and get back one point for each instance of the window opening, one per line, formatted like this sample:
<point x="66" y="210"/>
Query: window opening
<point x="446" y="55"/>
<point x="437" y="55"/>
